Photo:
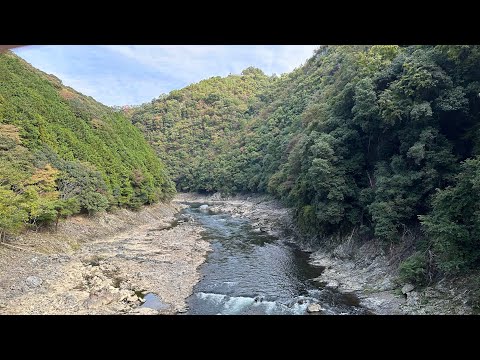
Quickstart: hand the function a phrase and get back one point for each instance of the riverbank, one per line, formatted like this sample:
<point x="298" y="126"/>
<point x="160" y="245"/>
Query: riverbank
<point x="103" y="264"/>
<point x="363" y="269"/>
<point x="107" y="263"/>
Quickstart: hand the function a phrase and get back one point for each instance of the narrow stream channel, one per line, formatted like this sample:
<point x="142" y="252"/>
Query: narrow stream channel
<point x="249" y="272"/>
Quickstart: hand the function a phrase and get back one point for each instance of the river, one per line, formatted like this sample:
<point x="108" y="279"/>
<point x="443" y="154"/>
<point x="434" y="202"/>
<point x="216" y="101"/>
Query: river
<point x="251" y="272"/>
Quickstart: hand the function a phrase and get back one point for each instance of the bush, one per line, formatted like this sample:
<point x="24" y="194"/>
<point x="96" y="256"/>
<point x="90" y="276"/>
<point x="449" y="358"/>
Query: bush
<point x="414" y="269"/>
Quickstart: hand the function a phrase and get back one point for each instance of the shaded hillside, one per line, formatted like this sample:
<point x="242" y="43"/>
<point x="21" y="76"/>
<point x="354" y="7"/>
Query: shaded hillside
<point x="62" y="152"/>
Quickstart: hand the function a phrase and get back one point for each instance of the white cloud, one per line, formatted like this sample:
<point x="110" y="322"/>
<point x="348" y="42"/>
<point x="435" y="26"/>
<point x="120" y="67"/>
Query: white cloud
<point x="197" y="60"/>
<point x="132" y="74"/>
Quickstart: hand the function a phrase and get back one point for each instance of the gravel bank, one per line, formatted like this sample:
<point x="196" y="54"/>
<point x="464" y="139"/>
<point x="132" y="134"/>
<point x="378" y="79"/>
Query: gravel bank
<point x="104" y="265"/>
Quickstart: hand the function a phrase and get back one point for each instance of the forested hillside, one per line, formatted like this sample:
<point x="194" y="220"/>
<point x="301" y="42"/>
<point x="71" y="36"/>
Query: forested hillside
<point x="193" y="128"/>
<point x="63" y="153"/>
<point x="371" y="141"/>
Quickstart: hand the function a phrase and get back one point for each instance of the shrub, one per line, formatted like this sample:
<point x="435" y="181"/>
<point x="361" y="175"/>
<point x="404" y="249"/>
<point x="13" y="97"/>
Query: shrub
<point x="414" y="269"/>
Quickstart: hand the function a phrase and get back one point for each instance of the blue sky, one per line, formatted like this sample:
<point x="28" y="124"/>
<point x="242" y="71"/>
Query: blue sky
<point x="134" y="74"/>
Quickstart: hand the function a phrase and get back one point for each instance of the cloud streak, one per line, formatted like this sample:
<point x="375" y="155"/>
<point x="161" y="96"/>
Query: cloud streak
<point x="133" y="74"/>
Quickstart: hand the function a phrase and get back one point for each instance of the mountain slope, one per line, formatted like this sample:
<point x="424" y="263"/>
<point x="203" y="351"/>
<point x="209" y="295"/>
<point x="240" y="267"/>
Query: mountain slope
<point x="62" y="152"/>
<point x="361" y="140"/>
<point x="191" y="127"/>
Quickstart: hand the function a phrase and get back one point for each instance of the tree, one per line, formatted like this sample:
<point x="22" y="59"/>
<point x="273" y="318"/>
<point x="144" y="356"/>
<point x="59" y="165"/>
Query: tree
<point x="454" y="223"/>
<point x="12" y="216"/>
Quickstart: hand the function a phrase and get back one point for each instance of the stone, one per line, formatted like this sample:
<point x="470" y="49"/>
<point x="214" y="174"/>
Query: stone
<point x="101" y="298"/>
<point x="186" y="218"/>
<point x="412" y="298"/>
<point x="314" y="308"/>
<point x="33" y="281"/>
<point x="132" y="299"/>
<point x="144" y="311"/>
<point x="407" y="288"/>
<point x="70" y="301"/>
<point x="203" y="207"/>
<point x="332" y="284"/>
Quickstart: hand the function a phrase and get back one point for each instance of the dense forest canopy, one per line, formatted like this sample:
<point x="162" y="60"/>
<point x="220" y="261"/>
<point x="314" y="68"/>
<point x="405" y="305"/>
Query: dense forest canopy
<point x="364" y="140"/>
<point x="63" y="153"/>
<point x="190" y="128"/>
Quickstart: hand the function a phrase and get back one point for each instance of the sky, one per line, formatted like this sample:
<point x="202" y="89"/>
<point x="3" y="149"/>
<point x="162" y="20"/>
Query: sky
<point x="135" y="74"/>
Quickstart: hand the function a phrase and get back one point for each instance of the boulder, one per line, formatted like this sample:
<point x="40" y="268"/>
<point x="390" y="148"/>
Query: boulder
<point x="125" y="294"/>
<point x="203" y="207"/>
<point x="412" y="298"/>
<point x="407" y="288"/>
<point x="144" y="311"/>
<point x="332" y="284"/>
<point x="33" y="281"/>
<point x="100" y="298"/>
<point x="314" y="308"/>
<point x="186" y="218"/>
<point x="133" y="299"/>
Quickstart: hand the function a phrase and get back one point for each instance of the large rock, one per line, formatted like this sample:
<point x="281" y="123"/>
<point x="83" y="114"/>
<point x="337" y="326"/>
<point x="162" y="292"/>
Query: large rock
<point x="186" y="218"/>
<point x="407" y="288"/>
<point x="412" y="298"/>
<point x="314" y="308"/>
<point x="332" y="284"/>
<point x="100" y="298"/>
<point x="204" y="208"/>
<point x="33" y="281"/>
<point x="144" y="311"/>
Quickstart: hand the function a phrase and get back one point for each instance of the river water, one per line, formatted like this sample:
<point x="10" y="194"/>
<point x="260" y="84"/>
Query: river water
<point x="250" y="272"/>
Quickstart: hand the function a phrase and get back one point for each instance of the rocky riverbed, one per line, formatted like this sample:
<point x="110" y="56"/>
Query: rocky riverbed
<point x="114" y="262"/>
<point x="104" y="265"/>
<point x="363" y="269"/>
